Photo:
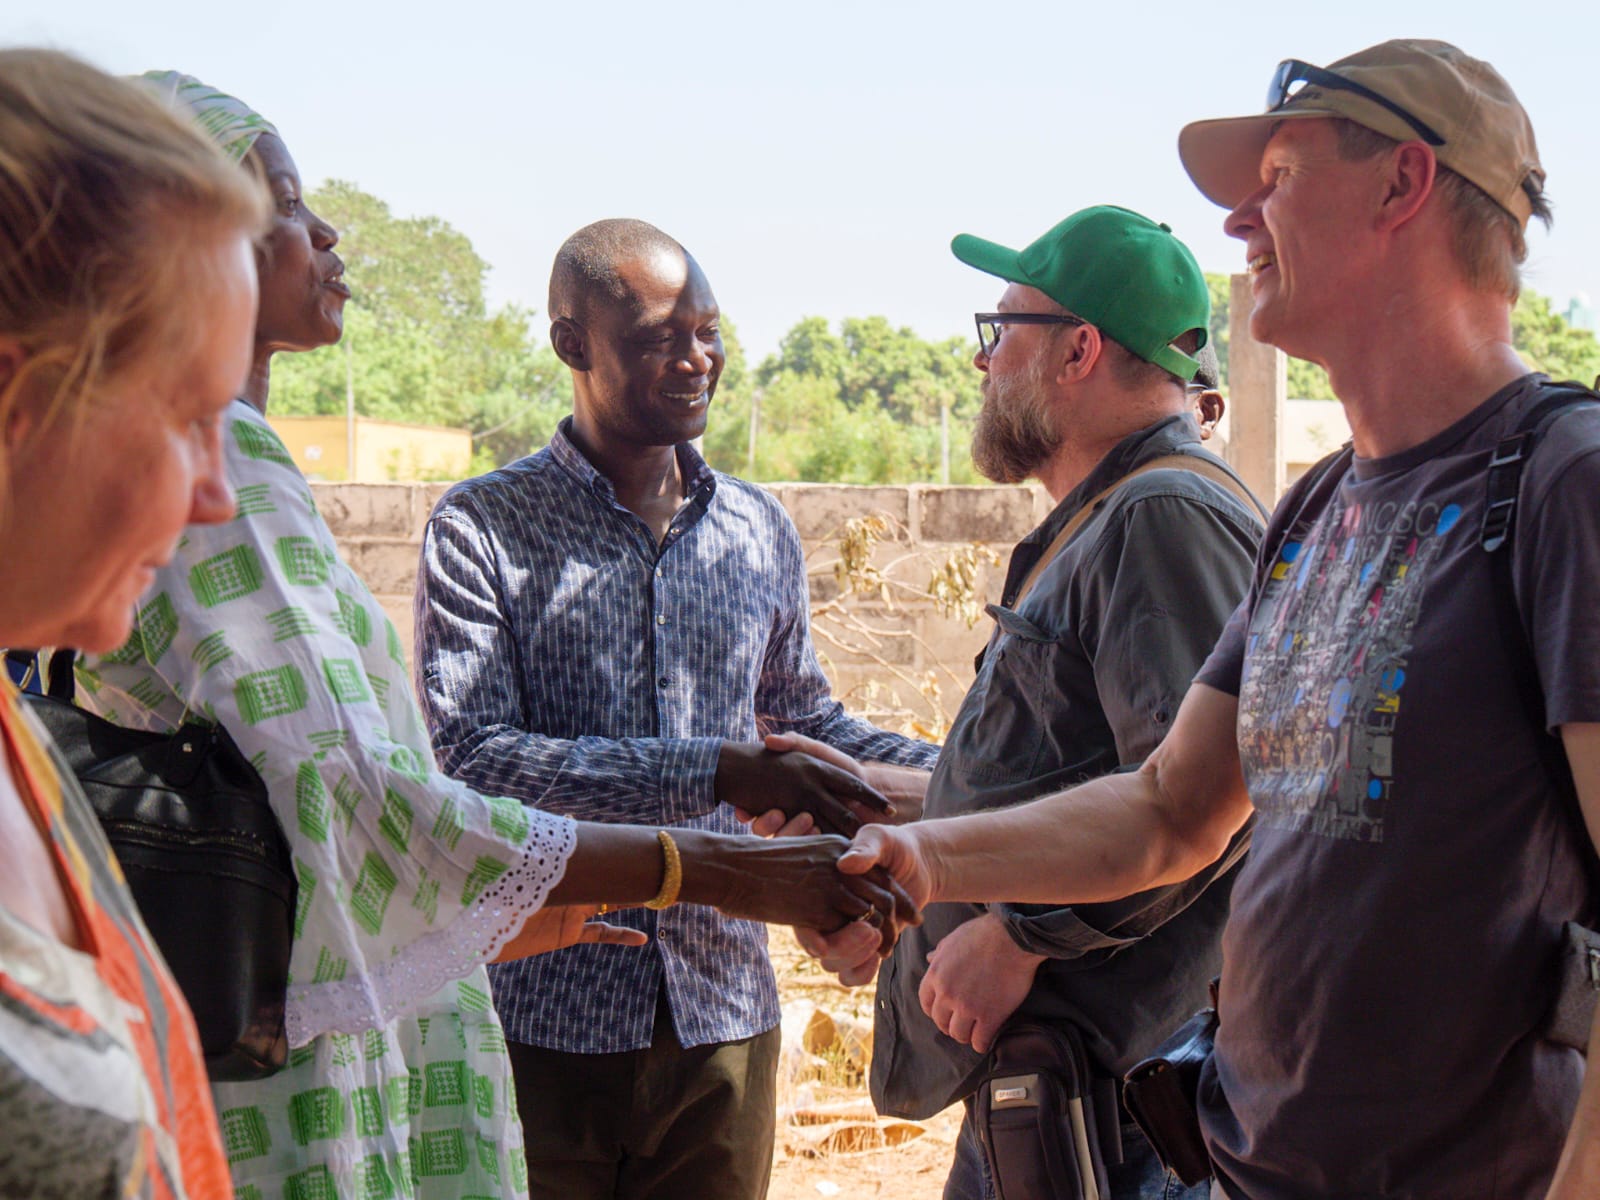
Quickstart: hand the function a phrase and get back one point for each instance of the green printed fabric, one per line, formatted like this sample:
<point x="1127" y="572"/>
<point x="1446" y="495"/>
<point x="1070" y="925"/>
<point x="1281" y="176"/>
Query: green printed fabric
<point x="398" y="1084"/>
<point x="424" y="1108"/>
<point x="226" y="120"/>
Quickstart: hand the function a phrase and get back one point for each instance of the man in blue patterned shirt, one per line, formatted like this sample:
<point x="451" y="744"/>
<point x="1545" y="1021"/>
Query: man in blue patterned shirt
<point x="606" y="629"/>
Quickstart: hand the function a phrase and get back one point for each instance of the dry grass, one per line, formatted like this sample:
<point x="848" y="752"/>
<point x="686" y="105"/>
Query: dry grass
<point x="830" y="1143"/>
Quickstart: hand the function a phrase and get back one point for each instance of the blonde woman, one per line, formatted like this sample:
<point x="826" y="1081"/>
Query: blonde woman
<point x="118" y="355"/>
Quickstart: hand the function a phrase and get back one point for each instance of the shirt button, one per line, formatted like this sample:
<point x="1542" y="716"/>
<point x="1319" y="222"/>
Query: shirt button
<point x="658" y="572"/>
<point x="661" y="619"/>
<point x="662" y="682"/>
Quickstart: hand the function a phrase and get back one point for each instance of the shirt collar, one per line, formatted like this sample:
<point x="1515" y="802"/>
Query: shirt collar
<point x="697" y="473"/>
<point x="1177" y="434"/>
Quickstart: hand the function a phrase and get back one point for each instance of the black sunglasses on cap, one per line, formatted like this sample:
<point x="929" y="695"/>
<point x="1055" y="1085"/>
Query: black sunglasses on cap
<point x="1292" y="71"/>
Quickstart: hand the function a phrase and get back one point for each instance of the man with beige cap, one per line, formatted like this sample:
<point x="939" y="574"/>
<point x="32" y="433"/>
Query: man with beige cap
<point x="1409" y="698"/>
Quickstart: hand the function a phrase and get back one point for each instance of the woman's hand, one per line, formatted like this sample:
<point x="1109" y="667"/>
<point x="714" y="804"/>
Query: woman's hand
<point x="557" y="926"/>
<point x="792" y="881"/>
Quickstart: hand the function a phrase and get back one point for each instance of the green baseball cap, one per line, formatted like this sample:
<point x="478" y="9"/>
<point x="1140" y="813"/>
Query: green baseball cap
<point x="1123" y="273"/>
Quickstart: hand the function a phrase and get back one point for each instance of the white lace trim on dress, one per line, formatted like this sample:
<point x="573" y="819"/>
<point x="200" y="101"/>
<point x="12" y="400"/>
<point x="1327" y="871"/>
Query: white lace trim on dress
<point x="372" y="998"/>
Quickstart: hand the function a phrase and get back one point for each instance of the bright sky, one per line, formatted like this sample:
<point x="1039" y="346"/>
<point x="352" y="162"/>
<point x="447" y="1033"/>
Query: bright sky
<point x="816" y="157"/>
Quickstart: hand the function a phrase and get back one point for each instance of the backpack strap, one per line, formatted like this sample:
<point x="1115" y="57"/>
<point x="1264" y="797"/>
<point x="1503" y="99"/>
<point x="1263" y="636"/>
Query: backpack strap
<point x="1503" y="488"/>
<point x="1217" y="471"/>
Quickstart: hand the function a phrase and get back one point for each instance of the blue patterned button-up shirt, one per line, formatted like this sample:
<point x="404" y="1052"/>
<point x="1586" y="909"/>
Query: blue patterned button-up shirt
<point x="567" y="659"/>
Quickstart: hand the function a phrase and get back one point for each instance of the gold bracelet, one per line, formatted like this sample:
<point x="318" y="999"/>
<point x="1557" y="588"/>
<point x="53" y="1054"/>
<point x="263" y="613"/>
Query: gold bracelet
<point x="671" y="873"/>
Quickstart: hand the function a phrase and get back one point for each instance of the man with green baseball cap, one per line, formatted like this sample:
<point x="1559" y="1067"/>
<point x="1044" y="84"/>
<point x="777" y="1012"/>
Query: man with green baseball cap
<point x="1107" y="611"/>
<point x="1408" y="703"/>
<point x="1116" y="270"/>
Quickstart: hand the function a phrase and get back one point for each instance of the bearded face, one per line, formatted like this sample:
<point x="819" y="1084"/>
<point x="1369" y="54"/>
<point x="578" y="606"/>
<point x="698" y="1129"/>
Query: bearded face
<point x="1016" y="430"/>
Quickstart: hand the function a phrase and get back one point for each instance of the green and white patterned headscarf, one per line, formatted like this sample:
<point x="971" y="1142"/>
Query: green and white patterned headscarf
<point x="228" y="121"/>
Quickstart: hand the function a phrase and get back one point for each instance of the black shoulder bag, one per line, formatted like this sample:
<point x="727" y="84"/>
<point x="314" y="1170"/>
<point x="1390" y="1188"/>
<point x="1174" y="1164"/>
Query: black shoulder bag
<point x="207" y="864"/>
<point x="1049" y="1128"/>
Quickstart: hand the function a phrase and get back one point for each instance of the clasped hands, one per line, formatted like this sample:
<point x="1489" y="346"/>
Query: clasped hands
<point x="816" y="798"/>
<point x="977" y="975"/>
<point x="861" y="808"/>
<point x="819" y="882"/>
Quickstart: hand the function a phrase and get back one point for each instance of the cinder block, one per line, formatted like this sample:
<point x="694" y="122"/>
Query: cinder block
<point x="953" y="645"/>
<point x="398" y="610"/>
<point x="1043" y="503"/>
<point x="366" y="509"/>
<point x="427" y="499"/>
<point x="824" y="587"/>
<point x="388" y="566"/>
<point x="993" y="515"/>
<point x="819" y="510"/>
<point x="893" y="645"/>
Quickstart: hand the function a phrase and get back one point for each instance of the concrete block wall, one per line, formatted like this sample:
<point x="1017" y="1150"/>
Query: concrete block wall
<point x="379" y="530"/>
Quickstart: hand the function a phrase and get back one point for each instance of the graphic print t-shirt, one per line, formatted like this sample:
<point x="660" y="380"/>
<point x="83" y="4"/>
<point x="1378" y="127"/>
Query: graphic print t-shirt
<point x="1390" y="956"/>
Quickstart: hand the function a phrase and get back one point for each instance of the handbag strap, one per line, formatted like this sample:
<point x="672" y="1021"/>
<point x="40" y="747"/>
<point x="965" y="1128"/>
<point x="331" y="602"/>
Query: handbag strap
<point x="59" y="683"/>
<point x="1207" y="468"/>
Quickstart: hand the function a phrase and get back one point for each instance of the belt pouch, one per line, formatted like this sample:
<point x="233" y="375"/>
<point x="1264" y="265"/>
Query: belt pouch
<point x="1037" y="1118"/>
<point x="1161" y="1095"/>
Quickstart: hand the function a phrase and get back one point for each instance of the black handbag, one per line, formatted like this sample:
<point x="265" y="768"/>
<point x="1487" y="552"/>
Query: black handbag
<point x="1161" y="1092"/>
<point x="206" y="861"/>
<point x="1048" y="1127"/>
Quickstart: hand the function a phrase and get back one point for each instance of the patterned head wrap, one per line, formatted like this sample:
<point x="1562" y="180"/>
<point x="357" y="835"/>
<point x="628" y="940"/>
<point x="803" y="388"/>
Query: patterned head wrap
<point x="231" y="123"/>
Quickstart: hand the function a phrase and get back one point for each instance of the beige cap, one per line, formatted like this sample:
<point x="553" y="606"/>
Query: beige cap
<point x="1487" y="137"/>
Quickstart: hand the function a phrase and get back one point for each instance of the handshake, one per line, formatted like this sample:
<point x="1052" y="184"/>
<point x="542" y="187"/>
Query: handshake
<point x="804" y="793"/>
<point x="847" y="900"/>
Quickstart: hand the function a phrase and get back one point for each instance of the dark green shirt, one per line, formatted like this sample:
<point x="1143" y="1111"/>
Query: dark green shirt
<point x="1084" y="676"/>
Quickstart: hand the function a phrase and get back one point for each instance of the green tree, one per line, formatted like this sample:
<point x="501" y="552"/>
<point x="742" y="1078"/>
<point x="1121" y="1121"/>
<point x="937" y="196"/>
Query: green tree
<point x="863" y="404"/>
<point x="1307" y="381"/>
<point x="420" y="342"/>
<point x="1547" y="343"/>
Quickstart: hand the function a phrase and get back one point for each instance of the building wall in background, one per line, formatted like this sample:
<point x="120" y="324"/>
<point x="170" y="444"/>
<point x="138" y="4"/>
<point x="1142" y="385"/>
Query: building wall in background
<point x="385" y="450"/>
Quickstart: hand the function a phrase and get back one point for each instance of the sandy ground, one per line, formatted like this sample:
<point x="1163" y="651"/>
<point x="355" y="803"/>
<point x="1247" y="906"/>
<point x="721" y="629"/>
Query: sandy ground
<point x="914" y="1171"/>
<point x="815" y="1158"/>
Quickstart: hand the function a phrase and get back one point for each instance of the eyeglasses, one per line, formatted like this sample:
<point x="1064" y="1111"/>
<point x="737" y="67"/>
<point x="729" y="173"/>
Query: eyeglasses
<point x="1292" y="71"/>
<point x="990" y="325"/>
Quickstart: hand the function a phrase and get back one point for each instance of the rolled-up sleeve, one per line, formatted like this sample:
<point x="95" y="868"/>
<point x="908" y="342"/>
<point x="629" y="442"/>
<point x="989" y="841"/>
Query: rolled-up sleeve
<point x="1165" y="576"/>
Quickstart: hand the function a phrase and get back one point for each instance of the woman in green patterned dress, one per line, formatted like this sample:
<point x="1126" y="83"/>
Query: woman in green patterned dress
<point x="398" y="1082"/>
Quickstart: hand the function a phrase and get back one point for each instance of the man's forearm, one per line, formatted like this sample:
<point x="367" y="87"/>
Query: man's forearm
<point x="1109" y="838"/>
<point x="906" y="788"/>
<point x="1094" y="932"/>
<point x="635" y="781"/>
